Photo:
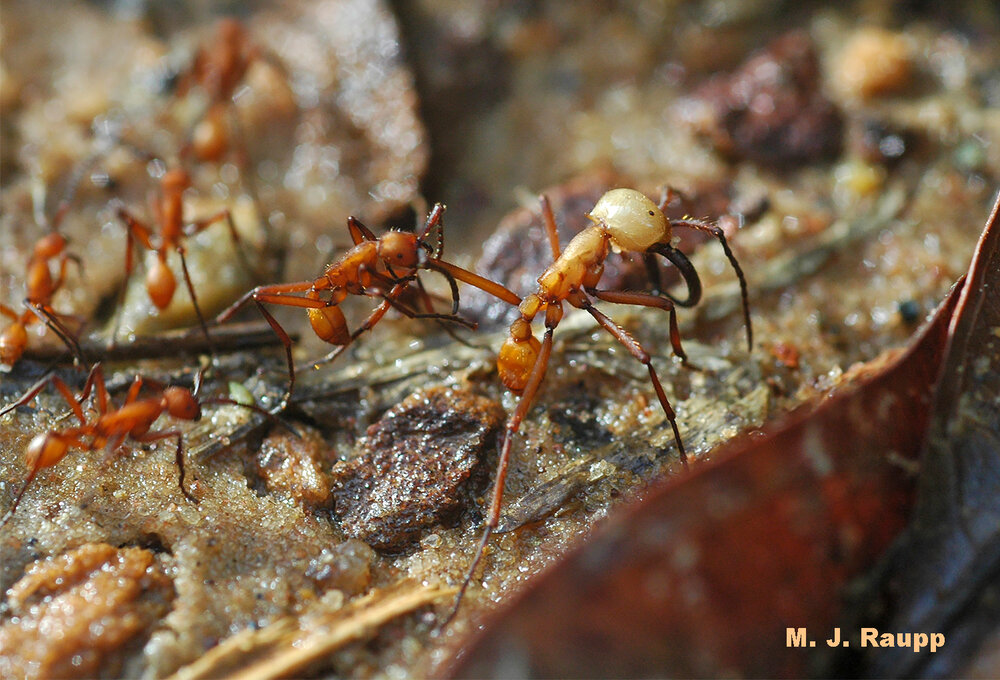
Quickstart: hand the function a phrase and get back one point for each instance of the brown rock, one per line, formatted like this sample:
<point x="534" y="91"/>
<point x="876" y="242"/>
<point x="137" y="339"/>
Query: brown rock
<point x="771" y="110"/>
<point x="414" y="466"/>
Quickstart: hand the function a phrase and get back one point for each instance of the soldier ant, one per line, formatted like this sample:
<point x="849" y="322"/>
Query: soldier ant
<point x="40" y="288"/>
<point x="168" y="213"/>
<point x="623" y="219"/>
<point x="381" y="267"/>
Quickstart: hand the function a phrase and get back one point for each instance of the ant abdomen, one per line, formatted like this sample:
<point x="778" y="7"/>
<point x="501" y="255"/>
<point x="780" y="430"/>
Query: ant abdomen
<point x="330" y="325"/>
<point x="45" y="450"/>
<point x="516" y="359"/>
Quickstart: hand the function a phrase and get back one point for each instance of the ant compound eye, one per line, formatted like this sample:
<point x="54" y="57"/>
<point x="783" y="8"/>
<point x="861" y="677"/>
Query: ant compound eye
<point x="632" y="221"/>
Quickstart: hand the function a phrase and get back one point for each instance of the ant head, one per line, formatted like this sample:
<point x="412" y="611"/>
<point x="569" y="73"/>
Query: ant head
<point x="399" y="249"/>
<point x="230" y="31"/>
<point x="181" y="404"/>
<point x="45" y="450"/>
<point x="50" y="246"/>
<point x="632" y="221"/>
<point x="175" y="181"/>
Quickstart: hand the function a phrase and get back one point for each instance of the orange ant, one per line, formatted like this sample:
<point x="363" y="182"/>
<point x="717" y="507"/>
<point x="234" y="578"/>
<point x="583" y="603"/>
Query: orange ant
<point x="218" y="69"/>
<point x="109" y="429"/>
<point x="623" y="219"/>
<point x="111" y="426"/>
<point x="168" y="212"/>
<point x="381" y="267"/>
<point x="40" y="287"/>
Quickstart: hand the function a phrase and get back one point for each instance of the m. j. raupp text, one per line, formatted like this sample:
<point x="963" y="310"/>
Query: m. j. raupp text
<point x="869" y="637"/>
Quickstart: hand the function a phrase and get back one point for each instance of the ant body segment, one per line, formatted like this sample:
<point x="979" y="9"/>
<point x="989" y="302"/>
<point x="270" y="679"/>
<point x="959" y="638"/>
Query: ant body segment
<point x="382" y="267"/>
<point x="110" y="427"/>
<point x="168" y="213"/>
<point x="218" y="69"/>
<point x="41" y="288"/>
<point x="623" y="219"/>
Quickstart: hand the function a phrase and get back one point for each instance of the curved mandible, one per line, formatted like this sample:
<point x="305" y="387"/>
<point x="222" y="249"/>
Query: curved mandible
<point x="684" y="266"/>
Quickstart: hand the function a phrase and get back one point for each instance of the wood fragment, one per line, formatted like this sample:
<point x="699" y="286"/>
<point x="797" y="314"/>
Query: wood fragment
<point x="288" y="648"/>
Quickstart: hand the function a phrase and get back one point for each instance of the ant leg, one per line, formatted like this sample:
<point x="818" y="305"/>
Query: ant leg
<point x="550" y="225"/>
<point x="433" y="220"/>
<point x="134" y="389"/>
<point x="286" y="341"/>
<point x="410" y="314"/>
<point x="135" y="229"/>
<point x="646" y="300"/>
<point x="51" y="320"/>
<point x="369" y="323"/>
<point x="513" y="424"/>
<point x="717" y="232"/>
<point x="278" y="294"/>
<point x="181" y="251"/>
<point x="480" y="282"/>
<point x="225" y="216"/>
<point x="67" y="394"/>
<point x="150" y="437"/>
<point x="425" y="296"/>
<point x="636" y="350"/>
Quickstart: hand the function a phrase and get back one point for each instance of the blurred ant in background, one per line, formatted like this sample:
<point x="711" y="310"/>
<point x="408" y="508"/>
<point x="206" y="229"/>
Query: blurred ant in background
<point x="40" y="288"/>
<point x="217" y="69"/>
<point x="40" y="284"/>
<point x="168" y="235"/>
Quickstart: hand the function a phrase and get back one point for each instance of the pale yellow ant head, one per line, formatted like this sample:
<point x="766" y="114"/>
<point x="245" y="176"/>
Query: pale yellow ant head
<point x="398" y="250"/>
<point x="632" y="221"/>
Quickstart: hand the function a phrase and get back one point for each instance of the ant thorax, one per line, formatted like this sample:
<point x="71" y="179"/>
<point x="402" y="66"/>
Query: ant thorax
<point x="583" y="257"/>
<point x="353" y="268"/>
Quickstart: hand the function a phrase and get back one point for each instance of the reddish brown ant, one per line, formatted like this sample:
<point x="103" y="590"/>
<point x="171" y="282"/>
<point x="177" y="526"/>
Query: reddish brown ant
<point x="217" y="69"/>
<point x="623" y="219"/>
<point x="40" y="287"/>
<point x="111" y="426"/>
<point x="381" y="267"/>
<point x="168" y="213"/>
